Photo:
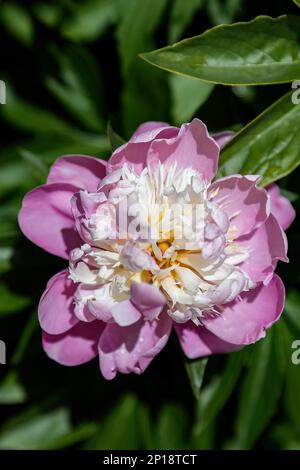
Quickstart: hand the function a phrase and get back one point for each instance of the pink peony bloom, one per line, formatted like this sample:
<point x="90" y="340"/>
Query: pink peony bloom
<point x="124" y="289"/>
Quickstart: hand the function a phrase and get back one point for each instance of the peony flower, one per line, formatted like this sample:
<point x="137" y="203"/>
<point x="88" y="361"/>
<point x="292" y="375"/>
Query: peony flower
<point x="131" y="277"/>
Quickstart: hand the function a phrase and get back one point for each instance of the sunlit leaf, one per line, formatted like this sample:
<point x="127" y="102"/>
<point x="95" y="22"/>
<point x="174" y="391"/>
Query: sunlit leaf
<point x="268" y="146"/>
<point x="263" y="51"/>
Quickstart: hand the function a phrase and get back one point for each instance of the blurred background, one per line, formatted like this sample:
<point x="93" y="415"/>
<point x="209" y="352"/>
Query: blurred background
<point x="70" y="68"/>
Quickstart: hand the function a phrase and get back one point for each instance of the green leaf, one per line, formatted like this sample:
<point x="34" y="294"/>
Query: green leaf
<point x="172" y="428"/>
<point x="285" y="437"/>
<point x="297" y="2"/>
<point x="145" y="427"/>
<point x="223" y="11"/>
<point x="195" y="370"/>
<point x="11" y="390"/>
<point x="217" y="392"/>
<point x="263" y="51"/>
<point x="8" y="221"/>
<point x="50" y="146"/>
<point x="6" y="253"/>
<point x="81" y="433"/>
<point x="12" y="175"/>
<point x="292" y="308"/>
<point x="114" y="139"/>
<point x="260" y="390"/>
<point x="9" y="231"/>
<point x="11" y="302"/>
<point x="31" y="118"/>
<point x="188" y="95"/>
<point x="79" y="86"/>
<point x="290" y="195"/>
<point x="268" y="146"/>
<point x="16" y="173"/>
<point x="17" y="21"/>
<point x="145" y="97"/>
<point x="206" y="440"/>
<point x="25" y="338"/>
<point x="292" y="383"/>
<point x="89" y="19"/>
<point x="37" y="432"/>
<point x="35" y="163"/>
<point x="120" y="429"/>
<point x="47" y="13"/>
<point x="140" y="19"/>
<point x="181" y="16"/>
<point x="244" y="93"/>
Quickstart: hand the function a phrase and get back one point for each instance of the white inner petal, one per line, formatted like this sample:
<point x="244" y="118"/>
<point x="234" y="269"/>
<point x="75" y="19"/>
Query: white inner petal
<point x="176" y="237"/>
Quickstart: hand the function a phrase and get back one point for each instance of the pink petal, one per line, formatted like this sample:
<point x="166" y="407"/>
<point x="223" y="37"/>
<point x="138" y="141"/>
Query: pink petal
<point x="135" y="259"/>
<point x="192" y="147"/>
<point x="197" y="341"/>
<point x="281" y="207"/>
<point x="56" y="307"/>
<point x="148" y="131"/>
<point x="223" y="137"/>
<point x="46" y="219"/>
<point x="125" y="313"/>
<point x="83" y="313"/>
<point x="246" y="205"/>
<point x="131" y="349"/>
<point x="246" y="320"/>
<point x="76" y="346"/>
<point x="147" y="298"/>
<point x="266" y="246"/>
<point x="79" y="170"/>
<point x="100" y="310"/>
<point x="134" y="153"/>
